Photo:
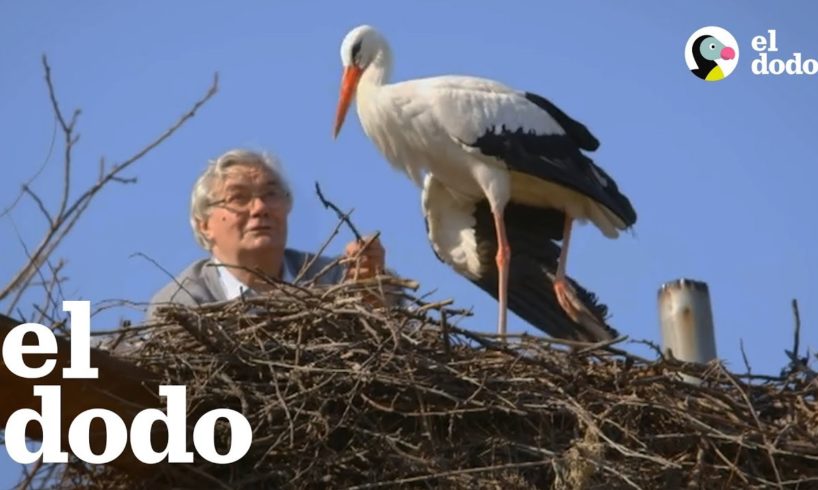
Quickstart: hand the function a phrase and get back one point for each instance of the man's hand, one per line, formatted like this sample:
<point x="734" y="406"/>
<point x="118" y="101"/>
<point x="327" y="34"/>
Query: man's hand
<point x="370" y="261"/>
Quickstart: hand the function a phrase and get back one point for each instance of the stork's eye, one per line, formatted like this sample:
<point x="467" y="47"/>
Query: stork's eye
<point x="356" y="51"/>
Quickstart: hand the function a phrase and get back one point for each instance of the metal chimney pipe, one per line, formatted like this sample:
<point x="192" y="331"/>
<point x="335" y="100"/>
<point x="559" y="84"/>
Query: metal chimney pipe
<point x="687" y="321"/>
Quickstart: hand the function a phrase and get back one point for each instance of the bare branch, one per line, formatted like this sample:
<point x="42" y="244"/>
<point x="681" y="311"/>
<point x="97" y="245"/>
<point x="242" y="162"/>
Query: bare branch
<point x="24" y="485"/>
<point x="744" y="357"/>
<point x="124" y="180"/>
<point x="70" y="140"/>
<point x="68" y="215"/>
<point x="53" y="96"/>
<point x="167" y="272"/>
<point x="24" y="286"/>
<point x="55" y="282"/>
<point x="40" y="169"/>
<point x="214" y="87"/>
<point x="307" y="266"/>
<point x="40" y="205"/>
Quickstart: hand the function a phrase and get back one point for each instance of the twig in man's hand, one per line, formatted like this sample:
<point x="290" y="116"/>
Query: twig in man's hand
<point x="341" y="215"/>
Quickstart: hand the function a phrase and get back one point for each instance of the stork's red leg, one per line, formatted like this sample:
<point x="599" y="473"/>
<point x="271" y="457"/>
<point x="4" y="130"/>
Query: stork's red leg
<point x="595" y="328"/>
<point x="503" y="257"/>
<point x="564" y="291"/>
<point x="566" y="240"/>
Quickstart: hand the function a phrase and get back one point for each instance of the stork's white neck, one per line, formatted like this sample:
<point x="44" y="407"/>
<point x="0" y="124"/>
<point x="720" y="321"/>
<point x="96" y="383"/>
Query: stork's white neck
<point x="377" y="114"/>
<point x="379" y="71"/>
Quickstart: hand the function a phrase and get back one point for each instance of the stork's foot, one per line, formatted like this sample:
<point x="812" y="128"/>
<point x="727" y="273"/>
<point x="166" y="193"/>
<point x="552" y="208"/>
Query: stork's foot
<point x="567" y="298"/>
<point x="575" y="308"/>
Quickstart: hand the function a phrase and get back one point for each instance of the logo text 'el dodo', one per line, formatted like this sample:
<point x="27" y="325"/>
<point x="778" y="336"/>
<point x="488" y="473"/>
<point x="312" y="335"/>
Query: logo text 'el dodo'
<point x="765" y="65"/>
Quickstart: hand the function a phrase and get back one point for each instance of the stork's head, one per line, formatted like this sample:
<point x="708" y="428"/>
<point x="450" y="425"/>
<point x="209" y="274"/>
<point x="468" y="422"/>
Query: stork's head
<point x="361" y="47"/>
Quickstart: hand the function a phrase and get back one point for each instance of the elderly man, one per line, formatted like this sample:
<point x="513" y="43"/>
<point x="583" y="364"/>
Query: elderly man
<point x="238" y="212"/>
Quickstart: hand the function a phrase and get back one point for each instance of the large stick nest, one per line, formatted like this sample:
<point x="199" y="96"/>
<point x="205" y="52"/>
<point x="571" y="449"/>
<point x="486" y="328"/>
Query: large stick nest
<point x="342" y="394"/>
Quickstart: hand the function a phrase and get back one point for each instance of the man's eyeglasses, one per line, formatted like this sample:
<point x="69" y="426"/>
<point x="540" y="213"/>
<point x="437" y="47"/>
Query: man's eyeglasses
<point x="241" y="199"/>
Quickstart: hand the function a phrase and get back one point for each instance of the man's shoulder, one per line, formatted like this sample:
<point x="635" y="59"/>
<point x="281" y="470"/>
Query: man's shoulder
<point x="190" y="287"/>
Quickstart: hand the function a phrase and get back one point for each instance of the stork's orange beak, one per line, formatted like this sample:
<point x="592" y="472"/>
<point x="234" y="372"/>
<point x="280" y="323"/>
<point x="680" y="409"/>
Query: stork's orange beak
<point x="352" y="74"/>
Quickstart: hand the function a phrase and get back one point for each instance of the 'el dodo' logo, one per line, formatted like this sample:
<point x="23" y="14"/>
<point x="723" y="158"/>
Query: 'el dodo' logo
<point x="711" y="53"/>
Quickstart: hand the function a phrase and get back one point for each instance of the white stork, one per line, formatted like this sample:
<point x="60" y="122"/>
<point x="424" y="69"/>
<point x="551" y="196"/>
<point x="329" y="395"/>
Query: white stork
<point x="501" y="170"/>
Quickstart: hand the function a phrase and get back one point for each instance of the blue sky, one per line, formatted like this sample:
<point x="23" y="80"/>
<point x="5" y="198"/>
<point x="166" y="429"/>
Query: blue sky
<point x="721" y="174"/>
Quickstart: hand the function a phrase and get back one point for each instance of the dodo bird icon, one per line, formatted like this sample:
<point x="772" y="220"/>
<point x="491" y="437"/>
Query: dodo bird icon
<point x="707" y="51"/>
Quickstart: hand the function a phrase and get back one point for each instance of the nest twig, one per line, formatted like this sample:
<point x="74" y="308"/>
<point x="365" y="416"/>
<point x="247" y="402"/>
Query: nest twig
<point x="343" y="395"/>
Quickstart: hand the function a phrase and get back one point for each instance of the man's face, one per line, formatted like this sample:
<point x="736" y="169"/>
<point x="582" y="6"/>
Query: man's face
<point x="248" y="216"/>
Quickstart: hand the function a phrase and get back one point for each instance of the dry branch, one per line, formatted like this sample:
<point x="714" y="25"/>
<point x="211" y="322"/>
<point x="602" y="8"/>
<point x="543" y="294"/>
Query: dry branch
<point x="121" y="380"/>
<point x="62" y="220"/>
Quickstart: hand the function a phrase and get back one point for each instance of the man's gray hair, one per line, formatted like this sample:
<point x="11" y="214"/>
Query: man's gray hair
<point x="202" y="195"/>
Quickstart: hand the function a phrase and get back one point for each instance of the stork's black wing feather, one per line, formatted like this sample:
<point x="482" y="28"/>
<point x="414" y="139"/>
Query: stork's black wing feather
<point x="540" y="150"/>
<point x="575" y="129"/>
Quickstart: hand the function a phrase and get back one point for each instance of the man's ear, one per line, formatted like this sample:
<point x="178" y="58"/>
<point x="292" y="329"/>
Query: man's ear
<point x="204" y="228"/>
